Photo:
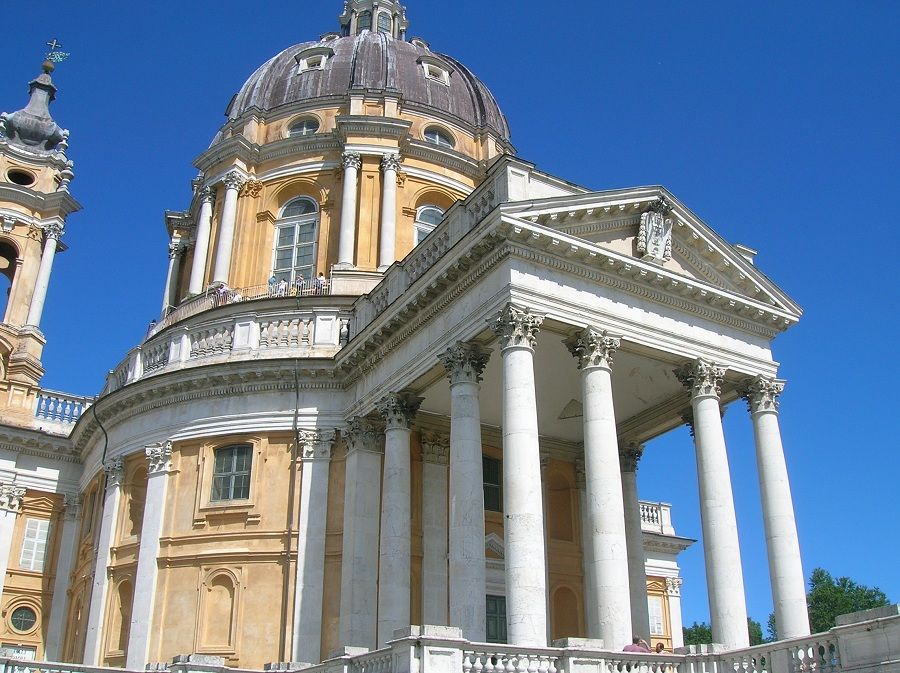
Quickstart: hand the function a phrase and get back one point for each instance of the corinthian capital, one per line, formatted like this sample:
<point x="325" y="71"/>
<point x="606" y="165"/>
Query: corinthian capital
<point x="361" y="434"/>
<point x="761" y="394"/>
<point x="11" y="497"/>
<point x="208" y="194"/>
<point x="465" y="362"/>
<point x="701" y="377"/>
<point x="399" y="410"/>
<point x="435" y="448"/>
<point x="516" y="327"/>
<point x="316" y="444"/>
<point x="233" y="180"/>
<point x="629" y="456"/>
<point x="72" y="505"/>
<point x="593" y="348"/>
<point x="391" y="162"/>
<point x="54" y="230"/>
<point x="159" y="457"/>
<point x="351" y="160"/>
<point x="175" y="250"/>
<point x="115" y="471"/>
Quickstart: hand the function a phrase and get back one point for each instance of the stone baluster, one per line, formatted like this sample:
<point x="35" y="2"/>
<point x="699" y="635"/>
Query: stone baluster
<point x="233" y="182"/>
<point x="629" y="456"/>
<point x="721" y="548"/>
<point x="594" y="351"/>
<point x="390" y="166"/>
<point x="464" y="364"/>
<point x="398" y="410"/>
<point x="782" y="544"/>
<point x="526" y="590"/>
<point x="201" y="240"/>
<point x="93" y="640"/>
<point x="315" y="456"/>
<point x="352" y="163"/>
<point x="53" y="232"/>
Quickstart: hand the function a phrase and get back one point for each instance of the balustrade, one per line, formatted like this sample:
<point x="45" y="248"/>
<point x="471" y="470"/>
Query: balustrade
<point x="60" y="407"/>
<point x="521" y="662"/>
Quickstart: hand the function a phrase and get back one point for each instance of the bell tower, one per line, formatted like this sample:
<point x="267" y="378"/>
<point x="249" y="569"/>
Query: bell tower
<point x="35" y="173"/>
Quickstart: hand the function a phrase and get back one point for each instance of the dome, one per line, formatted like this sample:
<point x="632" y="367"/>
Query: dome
<point x="373" y="62"/>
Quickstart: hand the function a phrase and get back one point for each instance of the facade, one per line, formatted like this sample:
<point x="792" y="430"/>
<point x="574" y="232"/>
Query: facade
<point x="400" y="377"/>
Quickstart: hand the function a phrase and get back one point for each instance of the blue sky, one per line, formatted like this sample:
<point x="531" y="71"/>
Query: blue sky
<point x="775" y="122"/>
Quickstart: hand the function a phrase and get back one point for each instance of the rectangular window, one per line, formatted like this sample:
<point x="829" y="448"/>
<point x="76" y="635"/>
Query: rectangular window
<point x="496" y="619"/>
<point x="654" y="603"/>
<point x="34" y="545"/>
<point x="493" y="494"/>
<point x="231" y="474"/>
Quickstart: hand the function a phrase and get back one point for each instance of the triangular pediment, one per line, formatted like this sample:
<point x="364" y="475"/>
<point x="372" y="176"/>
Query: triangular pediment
<point x="652" y="228"/>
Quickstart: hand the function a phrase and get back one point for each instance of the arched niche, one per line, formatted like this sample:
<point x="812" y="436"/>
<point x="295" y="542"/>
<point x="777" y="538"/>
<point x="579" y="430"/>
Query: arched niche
<point x="565" y="622"/>
<point x="220" y="595"/>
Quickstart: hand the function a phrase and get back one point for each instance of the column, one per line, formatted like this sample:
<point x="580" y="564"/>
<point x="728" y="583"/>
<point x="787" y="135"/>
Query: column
<point x="64" y="559"/>
<point x="315" y="457"/>
<point x="591" y="606"/>
<point x="351" y="162"/>
<point x="169" y="298"/>
<point x="435" y="530"/>
<point x="629" y="455"/>
<point x="201" y="240"/>
<point x="605" y="522"/>
<point x="390" y="166"/>
<point x="721" y="550"/>
<point x="233" y="182"/>
<point x="10" y="506"/>
<point x="398" y="410"/>
<point x="159" y="471"/>
<point x="93" y="639"/>
<point x="782" y="545"/>
<point x="53" y="232"/>
<point x="673" y="591"/>
<point x="465" y="363"/>
<point x="359" y="561"/>
<point x="526" y="589"/>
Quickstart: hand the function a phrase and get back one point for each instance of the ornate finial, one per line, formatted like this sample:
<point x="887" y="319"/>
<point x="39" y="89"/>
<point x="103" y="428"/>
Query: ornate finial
<point x="55" y="55"/>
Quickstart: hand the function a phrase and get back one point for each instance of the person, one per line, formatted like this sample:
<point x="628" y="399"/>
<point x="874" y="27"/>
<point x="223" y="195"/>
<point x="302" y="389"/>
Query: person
<point x="298" y="284"/>
<point x="222" y="294"/>
<point x="660" y="648"/>
<point x="282" y="288"/>
<point x="636" y="645"/>
<point x="273" y="281"/>
<point x="151" y="326"/>
<point x="320" y="283"/>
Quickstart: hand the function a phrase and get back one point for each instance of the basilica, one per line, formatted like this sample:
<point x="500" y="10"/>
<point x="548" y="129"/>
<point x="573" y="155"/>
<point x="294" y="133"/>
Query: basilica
<point x="400" y="384"/>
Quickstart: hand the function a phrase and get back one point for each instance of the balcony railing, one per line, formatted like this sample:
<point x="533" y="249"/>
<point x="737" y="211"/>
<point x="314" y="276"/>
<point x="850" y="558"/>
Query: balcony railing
<point x="57" y="407"/>
<point x="656" y="517"/>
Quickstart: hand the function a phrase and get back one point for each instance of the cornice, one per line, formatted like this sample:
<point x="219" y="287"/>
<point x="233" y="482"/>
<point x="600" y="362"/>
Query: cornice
<point x="666" y="544"/>
<point x="54" y="158"/>
<point x="451" y="159"/>
<point x="61" y="202"/>
<point x="368" y="125"/>
<point x="39" y="444"/>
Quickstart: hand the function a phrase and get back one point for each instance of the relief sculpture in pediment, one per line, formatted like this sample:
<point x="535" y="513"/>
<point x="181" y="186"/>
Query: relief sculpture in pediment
<point x="655" y="234"/>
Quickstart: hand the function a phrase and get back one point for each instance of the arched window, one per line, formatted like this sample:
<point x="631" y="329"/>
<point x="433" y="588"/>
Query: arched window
<point x="304" y="127"/>
<point x="364" y="22"/>
<point x="438" y="137"/>
<point x="427" y="218"/>
<point x="295" y="243"/>
<point x="385" y="25"/>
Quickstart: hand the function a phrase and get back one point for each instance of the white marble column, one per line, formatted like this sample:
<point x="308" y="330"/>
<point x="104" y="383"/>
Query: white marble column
<point x="673" y="591"/>
<point x="785" y="566"/>
<point x="435" y="529"/>
<point x="59" y="605"/>
<point x="464" y="363"/>
<point x="398" y="410"/>
<point x="315" y="456"/>
<point x="233" y="182"/>
<point x="10" y="506"/>
<point x="201" y="240"/>
<point x="721" y="548"/>
<point x="352" y="163"/>
<point x="53" y="232"/>
<point x="93" y="639"/>
<point x="523" y="510"/>
<point x="359" y="561"/>
<point x="629" y="455"/>
<point x="159" y="469"/>
<point x="594" y="350"/>
<point x="169" y="298"/>
<point x="591" y="606"/>
<point x="390" y="166"/>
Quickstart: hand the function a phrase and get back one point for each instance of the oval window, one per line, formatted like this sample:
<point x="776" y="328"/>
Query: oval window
<point x="22" y="178"/>
<point x="23" y="619"/>
<point x="438" y="137"/>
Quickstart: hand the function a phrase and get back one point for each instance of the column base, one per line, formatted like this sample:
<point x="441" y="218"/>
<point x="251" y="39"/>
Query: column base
<point x="344" y="266"/>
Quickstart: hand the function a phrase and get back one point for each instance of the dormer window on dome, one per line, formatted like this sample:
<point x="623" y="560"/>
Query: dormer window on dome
<point x="314" y="58"/>
<point x="304" y="127"/>
<point x="439" y="137"/>
<point x="435" y="69"/>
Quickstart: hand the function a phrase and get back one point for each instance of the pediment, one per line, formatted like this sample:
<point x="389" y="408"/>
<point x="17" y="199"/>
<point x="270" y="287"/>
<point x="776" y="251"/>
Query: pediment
<point x="687" y="247"/>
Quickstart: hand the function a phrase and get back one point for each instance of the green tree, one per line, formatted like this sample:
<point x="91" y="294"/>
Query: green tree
<point x="754" y="628"/>
<point x="697" y="634"/>
<point x="829" y="597"/>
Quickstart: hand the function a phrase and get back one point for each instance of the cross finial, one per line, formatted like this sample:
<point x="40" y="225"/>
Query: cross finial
<point x="55" y="55"/>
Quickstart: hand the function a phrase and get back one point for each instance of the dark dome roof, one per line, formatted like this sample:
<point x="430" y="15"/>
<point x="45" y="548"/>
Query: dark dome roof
<point x="374" y="62"/>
